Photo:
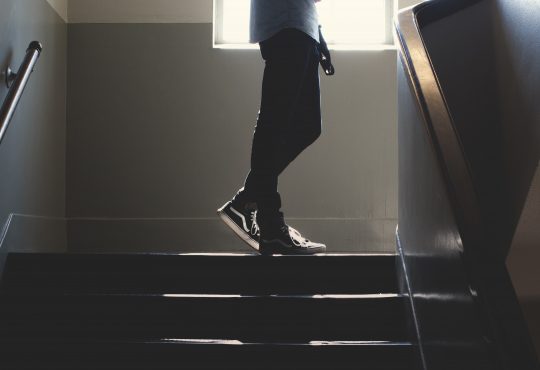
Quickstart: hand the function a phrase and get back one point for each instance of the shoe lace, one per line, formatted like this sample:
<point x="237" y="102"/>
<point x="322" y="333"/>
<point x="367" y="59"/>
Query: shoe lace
<point x="296" y="237"/>
<point x="254" y="225"/>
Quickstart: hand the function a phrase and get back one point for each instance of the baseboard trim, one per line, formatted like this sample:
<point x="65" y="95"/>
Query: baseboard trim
<point x="211" y="235"/>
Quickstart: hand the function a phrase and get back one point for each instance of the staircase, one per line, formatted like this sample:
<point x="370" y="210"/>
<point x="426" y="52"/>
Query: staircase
<point x="151" y="311"/>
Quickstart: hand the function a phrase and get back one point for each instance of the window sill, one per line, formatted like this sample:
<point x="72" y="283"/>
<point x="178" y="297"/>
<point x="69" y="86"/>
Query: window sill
<point x="365" y="47"/>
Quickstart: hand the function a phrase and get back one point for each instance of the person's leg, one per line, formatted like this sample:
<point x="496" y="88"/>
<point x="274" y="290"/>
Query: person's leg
<point x="305" y="124"/>
<point x="289" y="118"/>
<point x="289" y="121"/>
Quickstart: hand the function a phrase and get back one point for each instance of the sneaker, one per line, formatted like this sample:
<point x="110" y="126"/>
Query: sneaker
<point x="243" y="221"/>
<point x="288" y="241"/>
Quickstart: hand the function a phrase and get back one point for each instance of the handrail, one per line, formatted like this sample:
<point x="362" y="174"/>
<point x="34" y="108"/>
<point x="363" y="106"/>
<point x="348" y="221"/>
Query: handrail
<point x="482" y="254"/>
<point x="17" y="83"/>
<point x="437" y="117"/>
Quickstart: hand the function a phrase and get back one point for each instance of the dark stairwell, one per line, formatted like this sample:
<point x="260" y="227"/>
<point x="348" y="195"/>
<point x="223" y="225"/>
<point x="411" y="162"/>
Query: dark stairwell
<point x="447" y="300"/>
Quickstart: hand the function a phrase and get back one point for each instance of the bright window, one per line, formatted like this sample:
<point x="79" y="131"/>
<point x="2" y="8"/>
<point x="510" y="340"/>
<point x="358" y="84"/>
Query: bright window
<point x="347" y="24"/>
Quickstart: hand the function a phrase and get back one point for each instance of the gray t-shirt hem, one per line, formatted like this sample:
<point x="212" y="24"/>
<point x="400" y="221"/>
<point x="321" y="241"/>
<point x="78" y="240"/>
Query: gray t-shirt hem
<point x="268" y="17"/>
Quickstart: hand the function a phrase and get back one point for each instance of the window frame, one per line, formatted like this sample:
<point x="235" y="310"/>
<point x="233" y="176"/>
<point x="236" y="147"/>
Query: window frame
<point x="389" y="42"/>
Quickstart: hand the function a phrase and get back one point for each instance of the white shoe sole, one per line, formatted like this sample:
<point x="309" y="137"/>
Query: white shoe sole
<point x="283" y="249"/>
<point x="237" y="230"/>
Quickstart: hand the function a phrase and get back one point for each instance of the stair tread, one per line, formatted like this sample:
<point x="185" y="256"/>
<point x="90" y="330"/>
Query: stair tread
<point x="231" y="342"/>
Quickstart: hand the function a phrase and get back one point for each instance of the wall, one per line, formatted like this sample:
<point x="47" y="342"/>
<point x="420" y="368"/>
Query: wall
<point x="61" y="7"/>
<point x="140" y="11"/>
<point x="32" y="155"/>
<point x="402" y="4"/>
<point x="165" y="132"/>
<point x="516" y="31"/>
<point x="523" y="259"/>
<point x="160" y="128"/>
<point x="517" y="56"/>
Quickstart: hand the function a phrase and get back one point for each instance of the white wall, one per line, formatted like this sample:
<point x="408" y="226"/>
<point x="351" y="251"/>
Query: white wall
<point x="61" y="7"/>
<point x="140" y="11"/>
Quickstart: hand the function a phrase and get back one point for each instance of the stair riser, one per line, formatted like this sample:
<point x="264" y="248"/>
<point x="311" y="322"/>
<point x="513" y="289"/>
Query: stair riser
<point x="24" y="332"/>
<point x="169" y="356"/>
<point x="176" y="307"/>
<point x="201" y="274"/>
<point x="252" y="319"/>
<point x="247" y="284"/>
<point x="169" y="263"/>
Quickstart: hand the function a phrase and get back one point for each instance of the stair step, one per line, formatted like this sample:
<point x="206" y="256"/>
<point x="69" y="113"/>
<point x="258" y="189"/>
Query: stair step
<point x="217" y="355"/>
<point x="246" y="318"/>
<point x="198" y="274"/>
<point x="163" y="311"/>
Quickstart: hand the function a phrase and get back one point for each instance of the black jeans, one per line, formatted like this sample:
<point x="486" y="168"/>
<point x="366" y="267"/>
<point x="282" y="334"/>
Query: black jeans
<point x="289" y="119"/>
